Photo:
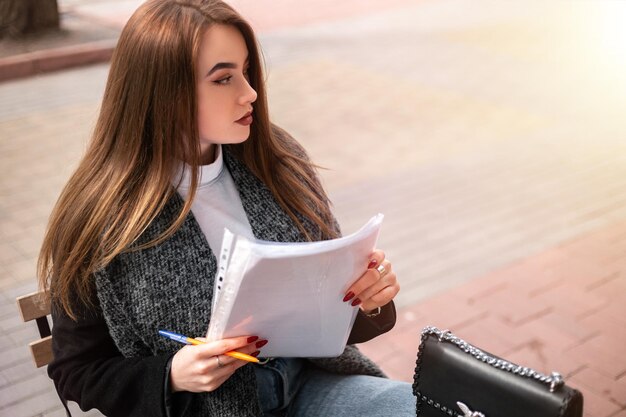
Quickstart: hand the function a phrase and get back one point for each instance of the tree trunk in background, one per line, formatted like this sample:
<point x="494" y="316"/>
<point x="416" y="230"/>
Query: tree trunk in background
<point x="23" y="17"/>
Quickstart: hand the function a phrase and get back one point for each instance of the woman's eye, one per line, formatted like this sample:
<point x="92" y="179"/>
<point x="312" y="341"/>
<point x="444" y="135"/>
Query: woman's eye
<point x="224" y="80"/>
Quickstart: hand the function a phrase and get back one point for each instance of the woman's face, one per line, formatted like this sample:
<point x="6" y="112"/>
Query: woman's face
<point x="224" y="95"/>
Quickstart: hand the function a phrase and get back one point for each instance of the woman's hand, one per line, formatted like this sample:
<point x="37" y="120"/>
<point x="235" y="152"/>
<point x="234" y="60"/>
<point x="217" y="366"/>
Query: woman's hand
<point x="198" y="368"/>
<point x="376" y="287"/>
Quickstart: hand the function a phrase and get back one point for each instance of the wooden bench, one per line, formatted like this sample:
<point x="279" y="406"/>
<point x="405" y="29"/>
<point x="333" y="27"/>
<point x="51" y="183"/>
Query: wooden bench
<point x="36" y="306"/>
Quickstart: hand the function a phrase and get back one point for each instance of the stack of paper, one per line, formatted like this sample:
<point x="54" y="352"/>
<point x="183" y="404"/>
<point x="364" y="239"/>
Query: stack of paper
<point x="290" y="293"/>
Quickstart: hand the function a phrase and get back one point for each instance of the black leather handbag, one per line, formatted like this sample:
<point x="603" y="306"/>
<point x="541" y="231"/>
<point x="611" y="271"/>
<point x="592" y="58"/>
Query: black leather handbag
<point x="453" y="378"/>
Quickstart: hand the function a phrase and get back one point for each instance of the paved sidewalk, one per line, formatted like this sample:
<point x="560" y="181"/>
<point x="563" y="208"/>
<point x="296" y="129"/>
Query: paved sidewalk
<point x="559" y="310"/>
<point x="490" y="134"/>
<point x="89" y="30"/>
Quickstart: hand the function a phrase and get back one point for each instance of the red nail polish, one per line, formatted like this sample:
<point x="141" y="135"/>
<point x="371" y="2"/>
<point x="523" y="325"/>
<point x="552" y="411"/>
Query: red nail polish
<point x="261" y="343"/>
<point x="255" y="354"/>
<point x="253" y="339"/>
<point x="348" y="296"/>
<point x="356" y="302"/>
<point x="372" y="264"/>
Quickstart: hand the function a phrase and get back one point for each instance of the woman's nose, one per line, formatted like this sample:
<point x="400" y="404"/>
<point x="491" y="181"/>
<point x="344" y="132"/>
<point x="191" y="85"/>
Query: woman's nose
<point x="249" y="95"/>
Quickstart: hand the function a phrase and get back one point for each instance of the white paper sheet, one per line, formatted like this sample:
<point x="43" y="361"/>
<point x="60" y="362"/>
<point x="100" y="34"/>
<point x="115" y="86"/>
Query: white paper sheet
<point x="290" y="293"/>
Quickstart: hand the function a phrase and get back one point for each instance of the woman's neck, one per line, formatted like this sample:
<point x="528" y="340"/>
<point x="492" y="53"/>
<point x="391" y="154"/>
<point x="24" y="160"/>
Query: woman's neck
<point x="207" y="154"/>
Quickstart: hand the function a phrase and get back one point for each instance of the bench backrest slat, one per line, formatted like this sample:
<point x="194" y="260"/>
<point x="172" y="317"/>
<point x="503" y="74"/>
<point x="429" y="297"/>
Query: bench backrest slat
<point x="42" y="351"/>
<point x="36" y="306"/>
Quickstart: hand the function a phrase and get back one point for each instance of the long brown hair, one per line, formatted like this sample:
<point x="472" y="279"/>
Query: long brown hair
<point x="147" y="123"/>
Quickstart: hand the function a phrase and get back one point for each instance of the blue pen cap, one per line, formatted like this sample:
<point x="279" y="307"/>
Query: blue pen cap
<point x="174" y="336"/>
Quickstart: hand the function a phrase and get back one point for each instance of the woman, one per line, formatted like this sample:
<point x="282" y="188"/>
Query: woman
<point x="131" y="242"/>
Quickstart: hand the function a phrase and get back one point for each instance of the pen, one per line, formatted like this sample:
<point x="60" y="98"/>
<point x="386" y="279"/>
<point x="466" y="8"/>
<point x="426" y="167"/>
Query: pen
<point x="191" y="341"/>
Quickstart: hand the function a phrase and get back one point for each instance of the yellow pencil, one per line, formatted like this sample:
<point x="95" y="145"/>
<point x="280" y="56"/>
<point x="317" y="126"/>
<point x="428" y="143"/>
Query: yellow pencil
<point x="191" y="341"/>
<point x="242" y="356"/>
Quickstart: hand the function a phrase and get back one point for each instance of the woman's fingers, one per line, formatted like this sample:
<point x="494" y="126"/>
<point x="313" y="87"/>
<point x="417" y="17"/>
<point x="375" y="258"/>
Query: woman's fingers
<point x="211" y="379"/>
<point x="382" y="281"/>
<point x="249" y="349"/>
<point x="370" y="280"/>
<point x="376" y="258"/>
<point x="205" y="367"/>
<point x="381" y="298"/>
<point x="376" y="287"/>
<point x="224" y="366"/>
<point x="219" y="347"/>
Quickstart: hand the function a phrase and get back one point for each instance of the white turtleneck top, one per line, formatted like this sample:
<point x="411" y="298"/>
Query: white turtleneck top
<point x="217" y="204"/>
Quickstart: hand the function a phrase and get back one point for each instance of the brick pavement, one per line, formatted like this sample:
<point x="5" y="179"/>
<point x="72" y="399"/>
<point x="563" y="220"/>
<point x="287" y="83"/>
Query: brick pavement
<point x="561" y="309"/>
<point x="490" y="138"/>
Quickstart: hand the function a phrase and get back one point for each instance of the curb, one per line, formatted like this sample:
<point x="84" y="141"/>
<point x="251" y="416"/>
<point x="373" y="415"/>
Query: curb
<point x="39" y="62"/>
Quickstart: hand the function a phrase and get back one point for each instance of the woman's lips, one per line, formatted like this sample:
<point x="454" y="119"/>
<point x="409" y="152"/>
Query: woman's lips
<point x="246" y="120"/>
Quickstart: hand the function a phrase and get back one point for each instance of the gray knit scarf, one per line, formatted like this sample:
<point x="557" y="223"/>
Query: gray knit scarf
<point x="170" y="286"/>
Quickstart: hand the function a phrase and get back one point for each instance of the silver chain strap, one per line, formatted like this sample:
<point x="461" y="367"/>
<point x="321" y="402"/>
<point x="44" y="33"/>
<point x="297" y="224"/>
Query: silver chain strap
<point x="554" y="381"/>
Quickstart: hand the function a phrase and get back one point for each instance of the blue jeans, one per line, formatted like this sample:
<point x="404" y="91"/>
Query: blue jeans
<point x="287" y="387"/>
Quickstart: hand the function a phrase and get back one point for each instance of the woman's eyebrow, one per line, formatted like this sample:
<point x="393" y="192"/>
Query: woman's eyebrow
<point x="221" y="65"/>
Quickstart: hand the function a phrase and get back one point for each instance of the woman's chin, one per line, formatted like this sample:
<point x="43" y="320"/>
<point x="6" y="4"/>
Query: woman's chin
<point x="240" y="139"/>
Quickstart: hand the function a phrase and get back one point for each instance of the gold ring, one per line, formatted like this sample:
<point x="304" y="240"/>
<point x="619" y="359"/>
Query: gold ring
<point x="381" y="270"/>
<point x="219" y="363"/>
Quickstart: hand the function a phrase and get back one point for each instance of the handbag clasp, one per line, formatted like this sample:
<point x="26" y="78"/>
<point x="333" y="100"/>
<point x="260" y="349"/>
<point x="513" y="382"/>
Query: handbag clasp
<point x="556" y="381"/>
<point x="467" y="412"/>
<point x="443" y="334"/>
